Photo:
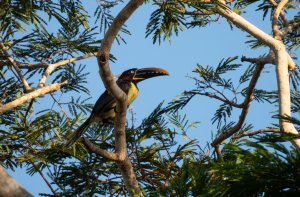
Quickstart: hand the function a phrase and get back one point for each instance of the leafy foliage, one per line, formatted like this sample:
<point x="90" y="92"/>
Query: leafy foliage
<point x="171" y="17"/>
<point x="32" y="136"/>
<point x="164" y="21"/>
<point x="212" y="79"/>
<point x="253" y="169"/>
<point x="105" y="18"/>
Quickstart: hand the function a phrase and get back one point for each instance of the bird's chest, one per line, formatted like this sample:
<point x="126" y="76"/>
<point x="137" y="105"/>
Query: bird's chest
<point x="132" y="93"/>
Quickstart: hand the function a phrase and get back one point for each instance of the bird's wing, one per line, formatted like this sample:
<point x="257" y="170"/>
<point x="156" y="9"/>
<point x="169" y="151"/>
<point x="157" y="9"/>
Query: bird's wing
<point x="104" y="103"/>
<point x="104" y="107"/>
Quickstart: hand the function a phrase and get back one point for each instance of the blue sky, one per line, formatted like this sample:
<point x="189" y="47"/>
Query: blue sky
<point x="206" y="46"/>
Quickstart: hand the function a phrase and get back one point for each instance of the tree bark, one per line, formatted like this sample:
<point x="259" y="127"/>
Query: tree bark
<point x="34" y="94"/>
<point x="120" y="97"/>
<point x="282" y="62"/>
<point x="9" y="187"/>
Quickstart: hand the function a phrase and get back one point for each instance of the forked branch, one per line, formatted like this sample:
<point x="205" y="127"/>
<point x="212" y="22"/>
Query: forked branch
<point x="16" y="67"/>
<point x="281" y="61"/>
<point x="246" y="104"/>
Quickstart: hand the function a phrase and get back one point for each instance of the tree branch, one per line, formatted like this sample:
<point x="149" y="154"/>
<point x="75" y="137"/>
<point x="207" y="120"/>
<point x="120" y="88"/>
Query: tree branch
<point x="100" y="152"/>
<point x="246" y="104"/>
<point x="282" y="14"/>
<point x="9" y="187"/>
<point x="44" y="178"/>
<point x="247" y="26"/>
<point x="120" y="97"/>
<point x="51" y="67"/>
<point x="277" y="33"/>
<point x="57" y="64"/>
<point x="284" y="93"/>
<point x="281" y="63"/>
<point x="16" y="67"/>
<point x="211" y="95"/>
<point x="269" y="59"/>
<point x="290" y="27"/>
<point x="250" y="134"/>
<point x="194" y="13"/>
<point x="34" y="94"/>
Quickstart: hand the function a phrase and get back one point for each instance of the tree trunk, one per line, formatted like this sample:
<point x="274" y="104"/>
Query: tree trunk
<point x="9" y="187"/>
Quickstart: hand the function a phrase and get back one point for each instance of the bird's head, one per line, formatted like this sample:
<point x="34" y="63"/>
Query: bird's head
<point x="136" y="75"/>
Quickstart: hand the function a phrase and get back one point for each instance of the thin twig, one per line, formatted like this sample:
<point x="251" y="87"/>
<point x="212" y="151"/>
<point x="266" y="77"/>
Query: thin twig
<point x="212" y="95"/>
<point x="62" y="109"/>
<point x="250" y="134"/>
<point x="43" y="177"/>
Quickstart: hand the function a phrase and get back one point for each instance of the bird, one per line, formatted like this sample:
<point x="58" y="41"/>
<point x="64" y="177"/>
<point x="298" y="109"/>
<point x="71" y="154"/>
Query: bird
<point x="104" y="109"/>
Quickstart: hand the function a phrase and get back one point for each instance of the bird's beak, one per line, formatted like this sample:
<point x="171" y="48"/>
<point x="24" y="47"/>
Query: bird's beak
<point x="146" y="73"/>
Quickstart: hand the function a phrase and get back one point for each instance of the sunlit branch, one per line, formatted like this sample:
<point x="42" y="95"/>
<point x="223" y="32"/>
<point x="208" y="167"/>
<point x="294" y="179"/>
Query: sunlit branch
<point x="9" y="187"/>
<point x="282" y="14"/>
<point x="120" y="97"/>
<point x="49" y="68"/>
<point x="16" y="67"/>
<point x="57" y="64"/>
<point x="277" y="33"/>
<point x="33" y="94"/>
<point x="281" y="62"/>
<point x="250" y="134"/>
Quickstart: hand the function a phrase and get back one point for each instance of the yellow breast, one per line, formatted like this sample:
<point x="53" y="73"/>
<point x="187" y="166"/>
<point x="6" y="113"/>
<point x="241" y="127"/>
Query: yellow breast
<point x="132" y="93"/>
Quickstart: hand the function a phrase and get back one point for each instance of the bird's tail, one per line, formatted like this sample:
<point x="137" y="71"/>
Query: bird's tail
<point x="75" y="136"/>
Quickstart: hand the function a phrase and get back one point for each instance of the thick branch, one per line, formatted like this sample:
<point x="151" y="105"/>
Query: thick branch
<point x="9" y="187"/>
<point x="248" y="27"/>
<point x="129" y="177"/>
<point x="256" y="32"/>
<point x="16" y="67"/>
<point x="34" y="94"/>
<point x="120" y="97"/>
<point x="281" y="63"/>
<point x="284" y="93"/>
